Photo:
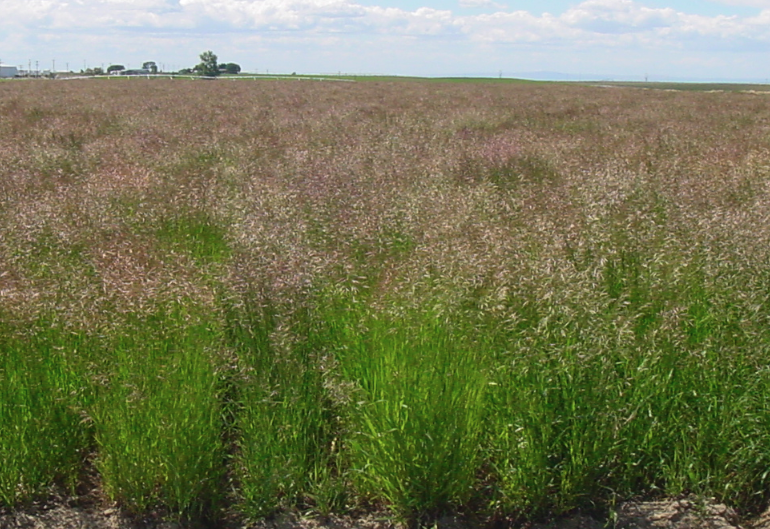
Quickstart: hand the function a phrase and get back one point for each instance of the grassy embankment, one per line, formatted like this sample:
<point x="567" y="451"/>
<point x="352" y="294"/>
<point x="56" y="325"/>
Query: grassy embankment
<point x="504" y="299"/>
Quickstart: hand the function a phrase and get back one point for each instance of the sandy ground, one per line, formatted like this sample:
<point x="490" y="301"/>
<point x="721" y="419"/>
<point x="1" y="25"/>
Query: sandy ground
<point x="79" y="513"/>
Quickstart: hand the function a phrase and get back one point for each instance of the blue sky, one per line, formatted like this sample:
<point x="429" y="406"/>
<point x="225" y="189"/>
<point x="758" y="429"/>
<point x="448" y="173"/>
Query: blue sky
<point x="659" y="39"/>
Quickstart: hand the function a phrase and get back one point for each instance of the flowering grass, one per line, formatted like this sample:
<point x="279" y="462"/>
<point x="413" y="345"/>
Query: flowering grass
<point x="498" y="299"/>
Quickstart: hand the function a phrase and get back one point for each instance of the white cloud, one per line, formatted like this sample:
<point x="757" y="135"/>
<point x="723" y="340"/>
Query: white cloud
<point x="761" y="4"/>
<point x="518" y="26"/>
<point x="616" y="16"/>
<point x="342" y="28"/>
<point x="589" y="21"/>
<point x="483" y="4"/>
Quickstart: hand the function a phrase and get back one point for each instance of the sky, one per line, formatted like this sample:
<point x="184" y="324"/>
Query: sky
<point x="612" y="39"/>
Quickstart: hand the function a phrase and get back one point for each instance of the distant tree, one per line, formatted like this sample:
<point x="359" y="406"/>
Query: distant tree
<point x="150" y="65"/>
<point x="115" y="68"/>
<point x="232" y="68"/>
<point x="222" y="67"/>
<point x="208" y="66"/>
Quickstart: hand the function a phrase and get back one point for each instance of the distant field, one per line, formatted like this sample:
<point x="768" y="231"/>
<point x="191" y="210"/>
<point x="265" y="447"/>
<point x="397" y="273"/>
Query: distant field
<point x="506" y="299"/>
<point x="693" y="87"/>
<point x="245" y="76"/>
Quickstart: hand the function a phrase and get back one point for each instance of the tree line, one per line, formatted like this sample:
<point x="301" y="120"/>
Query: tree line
<point x="208" y="67"/>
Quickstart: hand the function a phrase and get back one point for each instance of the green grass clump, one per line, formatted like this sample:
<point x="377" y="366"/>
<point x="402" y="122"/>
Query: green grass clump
<point x="283" y="424"/>
<point x="159" y="421"/>
<point x="416" y="414"/>
<point x="44" y="437"/>
<point x="196" y="234"/>
<point x="649" y="391"/>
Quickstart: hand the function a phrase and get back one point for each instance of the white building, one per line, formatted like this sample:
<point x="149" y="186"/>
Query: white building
<point x="8" y="71"/>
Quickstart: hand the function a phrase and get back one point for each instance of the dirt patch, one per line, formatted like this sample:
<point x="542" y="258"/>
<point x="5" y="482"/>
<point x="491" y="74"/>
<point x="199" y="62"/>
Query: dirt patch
<point x="61" y="513"/>
<point x="676" y="514"/>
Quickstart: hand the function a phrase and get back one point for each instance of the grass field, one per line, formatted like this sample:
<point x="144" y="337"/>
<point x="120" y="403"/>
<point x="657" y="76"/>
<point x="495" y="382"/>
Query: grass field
<point x="510" y="300"/>
<point x="694" y="87"/>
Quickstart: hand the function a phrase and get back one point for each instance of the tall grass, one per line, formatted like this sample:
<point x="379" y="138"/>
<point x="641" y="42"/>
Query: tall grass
<point x="588" y="410"/>
<point x="507" y="299"/>
<point x="416" y="414"/>
<point x="284" y="423"/>
<point x="159" y="422"/>
<point x="44" y="435"/>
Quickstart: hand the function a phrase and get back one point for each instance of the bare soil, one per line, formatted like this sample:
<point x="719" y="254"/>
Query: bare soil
<point x="85" y="513"/>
